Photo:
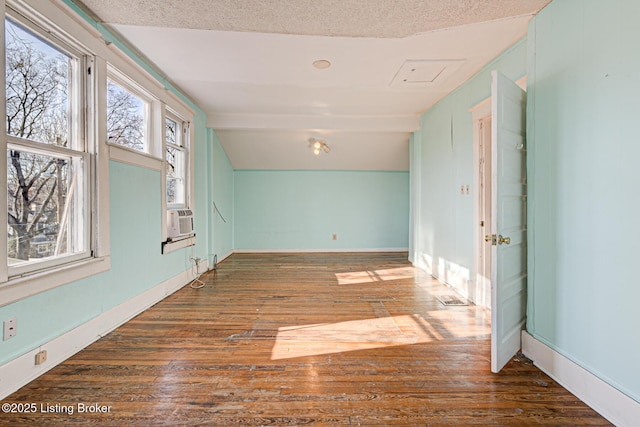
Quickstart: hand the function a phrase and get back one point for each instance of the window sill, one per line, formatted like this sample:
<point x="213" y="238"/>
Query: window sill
<point x="137" y="158"/>
<point x="25" y="286"/>
<point x="179" y="243"/>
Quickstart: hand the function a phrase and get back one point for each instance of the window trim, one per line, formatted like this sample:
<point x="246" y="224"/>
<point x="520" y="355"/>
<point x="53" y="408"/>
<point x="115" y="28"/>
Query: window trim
<point x="46" y="20"/>
<point x="182" y="147"/>
<point x="130" y="156"/>
<point x="77" y="133"/>
<point x="63" y="23"/>
<point x="132" y="86"/>
<point x="51" y="150"/>
<point x="186" y="117"/>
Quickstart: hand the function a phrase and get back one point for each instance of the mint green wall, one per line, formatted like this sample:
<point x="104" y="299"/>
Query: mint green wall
<point x="136" y="260"/>
<point x="302" y="209"/>
<point x="442" y="161"/>
<point x="584" y="87"/>
<point x="136" y="266"/>
<point x="222" y="194"/>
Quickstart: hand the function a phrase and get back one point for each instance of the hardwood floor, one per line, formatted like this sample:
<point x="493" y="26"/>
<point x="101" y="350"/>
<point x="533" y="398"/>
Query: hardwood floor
<point x="301" y="339"/>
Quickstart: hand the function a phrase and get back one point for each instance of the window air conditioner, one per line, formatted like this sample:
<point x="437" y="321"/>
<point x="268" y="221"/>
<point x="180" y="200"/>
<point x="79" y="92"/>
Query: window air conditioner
<point x="179" y="223"/>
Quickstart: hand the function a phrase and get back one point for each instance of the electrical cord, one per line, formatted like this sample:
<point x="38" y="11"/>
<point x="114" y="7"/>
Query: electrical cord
<point x="197" y="273"/>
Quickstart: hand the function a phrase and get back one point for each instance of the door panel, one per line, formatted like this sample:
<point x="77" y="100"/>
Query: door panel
<point x="508" y="219"/>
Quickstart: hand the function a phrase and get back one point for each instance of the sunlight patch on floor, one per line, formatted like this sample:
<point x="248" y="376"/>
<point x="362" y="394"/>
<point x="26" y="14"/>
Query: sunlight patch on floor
<point x="311" y="340"/>
<point x="459" y="325"/>
<point x="354" y="277"/>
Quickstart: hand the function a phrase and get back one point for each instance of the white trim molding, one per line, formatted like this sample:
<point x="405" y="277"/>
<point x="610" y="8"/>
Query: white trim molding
<point x="22" y="370"/>
<point x="174" y="245"/>
<point x="129" y="156"/>
<point x="293" y="251"/>
<point x="31" y="284"/>
<point x="605" y="399"/>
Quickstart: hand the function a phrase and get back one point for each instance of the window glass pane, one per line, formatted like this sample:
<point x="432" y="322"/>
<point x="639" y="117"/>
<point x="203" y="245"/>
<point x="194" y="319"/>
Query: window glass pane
<point x="171" y="132"/>
<point x="126" y="117"/>
<point x="45" y="207"/>
<point x="175" y="176"/>
<point x="38" y="88"/>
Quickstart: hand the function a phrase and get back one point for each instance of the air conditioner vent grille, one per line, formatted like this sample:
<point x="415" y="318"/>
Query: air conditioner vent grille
<point x="179" y="223"/>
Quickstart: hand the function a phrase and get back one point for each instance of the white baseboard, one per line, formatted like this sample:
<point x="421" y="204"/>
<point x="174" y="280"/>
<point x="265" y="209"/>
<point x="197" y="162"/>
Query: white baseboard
<point x="608" y="401"/>
<point x="259" y="251"/>
<point x="22" y="370"/>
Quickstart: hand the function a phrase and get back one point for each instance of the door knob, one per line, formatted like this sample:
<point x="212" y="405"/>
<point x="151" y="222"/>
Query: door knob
<point x="505" y="240"/>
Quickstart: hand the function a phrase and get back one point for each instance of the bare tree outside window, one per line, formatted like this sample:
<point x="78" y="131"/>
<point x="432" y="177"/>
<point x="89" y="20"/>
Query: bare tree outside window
<point x="125" y="117"/>
<point x="175" y="158"/>
<point x="37" y="87"/>
<point x="46" y="154"/>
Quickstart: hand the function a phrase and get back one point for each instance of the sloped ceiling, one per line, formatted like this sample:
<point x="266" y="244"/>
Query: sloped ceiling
<point x="249" y="65"/>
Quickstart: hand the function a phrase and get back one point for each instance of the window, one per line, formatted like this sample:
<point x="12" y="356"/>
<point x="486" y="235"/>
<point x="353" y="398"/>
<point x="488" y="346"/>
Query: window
<point x="127" y="114"/>
<point x="47" y="156"/>
<point x="72" y="106"/>
<point x="176" y="161"/>
<point x="178" y="219"/>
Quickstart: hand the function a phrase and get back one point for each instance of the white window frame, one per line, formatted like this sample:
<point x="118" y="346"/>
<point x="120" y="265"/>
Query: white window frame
<point x="179" y="113"/>
<point x="61" y="21"/>
<point x="183" y="147"/>
<point x="48" y="21"/>
<point x="130" y="85"/>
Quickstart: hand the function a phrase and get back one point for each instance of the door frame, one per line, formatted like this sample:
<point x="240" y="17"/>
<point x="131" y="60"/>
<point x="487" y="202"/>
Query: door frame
<point x="479" y="112"/>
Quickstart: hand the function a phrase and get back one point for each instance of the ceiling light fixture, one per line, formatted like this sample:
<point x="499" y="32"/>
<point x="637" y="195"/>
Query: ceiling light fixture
<point x="318" y="146"/>
<point x="321" y="64"/>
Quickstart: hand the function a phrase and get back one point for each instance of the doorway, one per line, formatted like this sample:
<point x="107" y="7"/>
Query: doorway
<point x="481" y="116"/>
<point x="484" y="192"/>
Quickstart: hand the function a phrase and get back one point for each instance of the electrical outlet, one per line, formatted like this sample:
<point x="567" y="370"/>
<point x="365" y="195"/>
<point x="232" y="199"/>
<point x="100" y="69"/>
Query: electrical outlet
<point x="10" y="328"/>
<point x="41" y="357"/>
<point x="334" y="236"/>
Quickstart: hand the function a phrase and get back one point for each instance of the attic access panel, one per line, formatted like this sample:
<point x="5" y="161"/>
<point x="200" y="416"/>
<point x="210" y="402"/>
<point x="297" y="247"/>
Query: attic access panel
<point x="425" y="72"/>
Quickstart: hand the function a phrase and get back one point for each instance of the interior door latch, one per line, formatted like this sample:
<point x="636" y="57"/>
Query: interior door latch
<point x="491" y="238"/>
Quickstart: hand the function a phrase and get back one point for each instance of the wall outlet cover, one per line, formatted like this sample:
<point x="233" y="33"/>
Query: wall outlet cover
<point x="10" y="328"/>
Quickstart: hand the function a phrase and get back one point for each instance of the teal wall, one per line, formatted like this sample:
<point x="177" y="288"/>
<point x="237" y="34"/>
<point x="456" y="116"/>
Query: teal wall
<point x="442" y="161"/>
<point x="136" y="266"/>
<point x="136" y="260"/>
<point x="302" y="209"/>
<point x="583" y="110"/>
<point x="222" y="194"/>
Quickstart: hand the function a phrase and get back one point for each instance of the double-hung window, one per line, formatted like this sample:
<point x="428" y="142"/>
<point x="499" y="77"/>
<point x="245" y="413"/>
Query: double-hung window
<point x="128" y="113"/>
<point x="48" y="164"/>
<point x="176" y="161"/>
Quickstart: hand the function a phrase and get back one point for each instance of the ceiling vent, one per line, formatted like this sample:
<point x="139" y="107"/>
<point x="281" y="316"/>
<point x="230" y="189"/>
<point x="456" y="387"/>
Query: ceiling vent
<point x="425" y="73"/>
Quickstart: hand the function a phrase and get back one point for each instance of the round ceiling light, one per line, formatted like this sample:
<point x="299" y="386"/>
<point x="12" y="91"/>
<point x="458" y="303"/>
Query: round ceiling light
<point x="321" y="64"/>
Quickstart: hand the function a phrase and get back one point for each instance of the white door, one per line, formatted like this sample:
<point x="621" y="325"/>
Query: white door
<point x="508" y="219"/>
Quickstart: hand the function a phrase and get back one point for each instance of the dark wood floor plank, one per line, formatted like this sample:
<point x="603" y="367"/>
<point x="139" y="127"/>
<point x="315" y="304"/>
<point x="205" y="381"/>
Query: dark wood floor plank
<point x="303" y="339"/>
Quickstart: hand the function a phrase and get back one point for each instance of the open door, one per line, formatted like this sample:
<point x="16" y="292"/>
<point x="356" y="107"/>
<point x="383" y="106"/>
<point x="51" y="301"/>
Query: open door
<point x="508" y="219"/>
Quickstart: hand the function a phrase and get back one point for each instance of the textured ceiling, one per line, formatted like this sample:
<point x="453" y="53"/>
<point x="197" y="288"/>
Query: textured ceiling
<point x="248" y="65"/>
<point x="348" y="18"/>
